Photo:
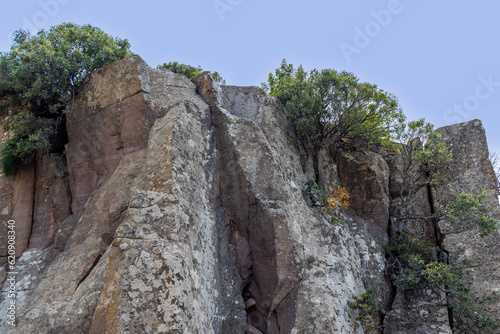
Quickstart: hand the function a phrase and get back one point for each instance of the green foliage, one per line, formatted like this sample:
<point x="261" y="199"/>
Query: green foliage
<point x="317" y="198"/>
<point x="40" y="75"/>
<point x="364" y="303"/>
<point x="313" y="194"/>
<point x="330" y="104"/>
<point x="404" y="246"/>
<point x="30" y="134"/>
<point x="471" y="314"/>
<point x="470" y="211"/>
<point x="423" y="159"/>
<point x="423" y="152"/>
<point x="416" y="267"/>
<point x="420" y="270"/>
<point x="190" y="71"/>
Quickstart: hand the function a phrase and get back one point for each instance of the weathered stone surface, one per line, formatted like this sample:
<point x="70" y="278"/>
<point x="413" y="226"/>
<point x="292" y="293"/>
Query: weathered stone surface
<point x="52" y="199"/>
<point x="111" y="99"/>
<point x="113" y="117"/>
<point x="22" y="206"/>
<point x="421" y="312"/>
<point x="47" y="186"/>
<point x="471" y="172"/>
<point x="365" y="175"/>
<point x="250" y="182"/>
<point x="29" y="270"/>
<point x="315" y="270"/>
<point x="67" y="284"/>
<point x="84" y="275"/>
<point x="168" y="265"/>
<point x="187" y="216"/>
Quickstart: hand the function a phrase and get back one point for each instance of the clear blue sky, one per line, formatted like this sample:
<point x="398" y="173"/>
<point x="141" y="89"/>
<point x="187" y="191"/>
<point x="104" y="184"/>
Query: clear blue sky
<point x="440" y="58"/>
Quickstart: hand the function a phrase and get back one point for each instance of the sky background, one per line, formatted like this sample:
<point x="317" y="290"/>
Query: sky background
<point x="440" y="58"/>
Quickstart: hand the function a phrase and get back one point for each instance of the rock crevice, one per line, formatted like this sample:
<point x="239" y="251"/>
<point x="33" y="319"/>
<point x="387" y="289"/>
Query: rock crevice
<point x="178" y="207"/>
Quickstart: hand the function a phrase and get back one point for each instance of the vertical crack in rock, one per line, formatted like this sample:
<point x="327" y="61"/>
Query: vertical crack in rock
<point x="438" y="241"/>
<point x="417" y="309"/>
<point x="393" y="289"/>
<point x="186" y="215"/>
<point x="257" y="231"/>
<point x="470" y="171"/>
<point x="33" y="209"/>
<point x="96" y="261"/>
<point x="437" y="233"/>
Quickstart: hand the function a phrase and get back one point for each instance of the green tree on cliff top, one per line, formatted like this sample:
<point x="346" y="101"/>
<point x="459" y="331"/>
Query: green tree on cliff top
<point x="190" y="71"/>
<point x="39" y="76"/>
<point x="331" y="105"/>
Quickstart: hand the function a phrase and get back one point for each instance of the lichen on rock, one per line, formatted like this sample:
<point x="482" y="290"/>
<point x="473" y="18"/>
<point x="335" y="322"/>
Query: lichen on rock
<point x="178" y="207"/>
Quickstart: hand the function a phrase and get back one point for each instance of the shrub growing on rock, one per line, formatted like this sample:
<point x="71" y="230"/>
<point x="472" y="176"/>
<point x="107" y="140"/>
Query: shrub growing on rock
<point x="40" y="75"/>
<point x="424" y="160"/>
<point x="334" y="106"/>
<point x="415" y="265"/>
<point x="327" y="103"/>
<point x="329" y="206"/>
<point x="190" y="71"/>
<point x="367" y="311"/>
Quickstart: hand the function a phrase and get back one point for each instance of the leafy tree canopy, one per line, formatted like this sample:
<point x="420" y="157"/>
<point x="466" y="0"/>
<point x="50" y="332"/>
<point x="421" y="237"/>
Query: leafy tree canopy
<point x="190" y="71"/>
<point x="40" y="75"/>
<point x="330" y="104"/>
<point x="424" y="159"/>
<point x="471" y="212"/>
<point x="43" y="72"/>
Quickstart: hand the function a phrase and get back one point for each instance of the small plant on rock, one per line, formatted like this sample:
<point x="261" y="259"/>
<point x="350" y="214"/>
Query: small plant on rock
<point x="329" y="206"/>
<point x="415" y="266"/>
<point x="339" y="198"/>
<point x="190" y="71"/>
<point x="367" y="312"/>
<point x="471" y="212"/>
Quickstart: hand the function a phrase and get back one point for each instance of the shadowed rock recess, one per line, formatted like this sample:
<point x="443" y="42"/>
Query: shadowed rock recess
<point x="177" y="207"/>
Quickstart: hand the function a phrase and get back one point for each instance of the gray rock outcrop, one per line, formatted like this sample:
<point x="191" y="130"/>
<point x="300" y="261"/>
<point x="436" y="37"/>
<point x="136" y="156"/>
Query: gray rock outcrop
<point x="472" y="172"/>
<point x="178" y="207"/>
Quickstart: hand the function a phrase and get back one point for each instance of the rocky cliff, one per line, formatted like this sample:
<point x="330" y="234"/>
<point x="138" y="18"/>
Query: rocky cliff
<point x="177" y="207"/>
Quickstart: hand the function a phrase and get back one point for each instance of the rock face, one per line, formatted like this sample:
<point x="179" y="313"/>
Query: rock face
<point x="366" y="177"/>
<point x="178" y="208"/>
<point x="472" y="173"/>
